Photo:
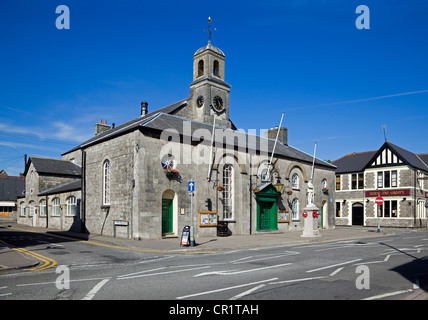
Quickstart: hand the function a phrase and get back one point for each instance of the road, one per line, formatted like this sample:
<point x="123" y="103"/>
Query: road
<point x="379" y="268"/>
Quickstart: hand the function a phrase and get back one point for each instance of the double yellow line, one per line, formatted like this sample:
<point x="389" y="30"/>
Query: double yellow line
<point x="48" y="263"/>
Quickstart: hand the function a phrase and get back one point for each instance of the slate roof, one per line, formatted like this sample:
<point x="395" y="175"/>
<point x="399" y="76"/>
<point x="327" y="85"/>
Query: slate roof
<point x="357" y="162"/>
<point x="164" y="118"/>
<point x="129" y="126"/>
<point x="54" y="166"/>
<point x="11" y="188"/>
<point x="353" y="162"/>
<point x="67" y="187"/>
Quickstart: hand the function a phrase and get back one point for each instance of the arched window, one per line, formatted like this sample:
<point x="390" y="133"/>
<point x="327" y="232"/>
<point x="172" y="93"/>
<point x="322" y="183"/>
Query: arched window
<point x="216" y="69"/>
<point x="200" y="68"/>
<point x="106" y="182"/>
<point x="295" y="181"/>
<point x="32" y="208"/>
<point x="295" y="209"/>
<point x="23" y="209"/>
<point x="228" y="192"/>
<point x="56" y="207"/>
<point x="71" y="206"/>
<point x="42" y="206"/>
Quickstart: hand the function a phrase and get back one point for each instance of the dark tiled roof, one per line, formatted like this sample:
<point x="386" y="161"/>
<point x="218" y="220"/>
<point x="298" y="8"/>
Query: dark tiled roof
<point x="128" y="126"/>
<point x="164" y="119"/>
<point x="353" y="162"/>
<point x="54" y="166"/>
<point x="71" y="186"/>
<point x="408" y="157"/>
<point x="357" y="162"/>
<point x="227" y="138"/>
<point x="11" y="188"/>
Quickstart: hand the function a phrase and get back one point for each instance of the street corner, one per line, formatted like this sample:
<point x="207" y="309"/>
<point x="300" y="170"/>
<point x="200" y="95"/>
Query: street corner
<point x="11" y="259"/>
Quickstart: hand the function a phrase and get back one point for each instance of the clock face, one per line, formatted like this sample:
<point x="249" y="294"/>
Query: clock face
<point x="218" y="103"/>
<point x="200" y="101"/>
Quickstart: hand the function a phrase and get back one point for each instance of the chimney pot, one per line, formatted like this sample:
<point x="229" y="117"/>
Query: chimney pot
<point x="144" y="108"/>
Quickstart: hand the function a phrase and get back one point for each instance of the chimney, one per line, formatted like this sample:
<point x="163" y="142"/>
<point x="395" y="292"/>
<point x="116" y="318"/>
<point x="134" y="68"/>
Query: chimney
<point x="282" y="137"/>
<point x="101" y="127"/>
<point x="144" y="108"/>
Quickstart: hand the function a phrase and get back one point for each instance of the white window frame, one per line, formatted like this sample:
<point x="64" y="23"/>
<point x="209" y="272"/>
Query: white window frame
<point x="42" y="206"/>
<point x="23" y="213"/>
<point x="32" y="208"/>
<point x="56" y="207"/>
<point x="295" y="181"/>
<point x="106" y="182"/>
<point x="228" y="192"/>
<point x="71" y="206"/>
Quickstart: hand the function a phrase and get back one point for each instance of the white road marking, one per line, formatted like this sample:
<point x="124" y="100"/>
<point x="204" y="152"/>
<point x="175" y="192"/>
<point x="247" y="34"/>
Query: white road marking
<point x="296" y="280"/>
<point x="159" y="273"/>
<point x="388" y="294"/>
<point x="245" y="293"/>
<point x="233" y="272"/>
<point x="224" y="289"/>
<point x="5" y="294"/>
<point x="54" y="282"/>
<point x="336" y="271"/>
<point x="234" y="261"/>
<point x="134" y="273"/>
<point x="334" y="265"/>
<point x="51" y="244"/>
<point x="95" y="289"/>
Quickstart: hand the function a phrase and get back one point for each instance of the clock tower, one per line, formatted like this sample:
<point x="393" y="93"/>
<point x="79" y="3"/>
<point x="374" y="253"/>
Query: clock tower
<point x="209" y="93"/>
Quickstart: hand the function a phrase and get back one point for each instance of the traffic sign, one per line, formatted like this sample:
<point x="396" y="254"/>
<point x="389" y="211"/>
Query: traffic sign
<point x="191" y="186"/>
<point x="379" y="201"/>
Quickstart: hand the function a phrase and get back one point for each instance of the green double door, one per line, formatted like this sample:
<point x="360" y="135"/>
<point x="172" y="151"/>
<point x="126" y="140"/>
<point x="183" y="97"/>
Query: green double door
<point x="166" y="216"/>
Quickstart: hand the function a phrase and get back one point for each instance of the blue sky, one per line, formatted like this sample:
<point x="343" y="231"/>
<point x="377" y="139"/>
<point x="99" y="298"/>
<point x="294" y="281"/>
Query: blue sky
<point x="337" y="85"/>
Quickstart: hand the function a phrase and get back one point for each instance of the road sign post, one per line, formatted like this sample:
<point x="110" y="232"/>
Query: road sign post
<point x="379" y="202"/>
<point x="191" y="189"/>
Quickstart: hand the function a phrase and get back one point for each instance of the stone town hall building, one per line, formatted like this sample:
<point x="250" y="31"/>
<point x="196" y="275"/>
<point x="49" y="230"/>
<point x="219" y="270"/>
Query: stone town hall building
<point x="131" y="180"/>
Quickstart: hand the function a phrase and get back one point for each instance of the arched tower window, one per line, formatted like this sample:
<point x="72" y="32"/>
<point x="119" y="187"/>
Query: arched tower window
<point x="200" y="68"/>
<point x="216" y="69"/>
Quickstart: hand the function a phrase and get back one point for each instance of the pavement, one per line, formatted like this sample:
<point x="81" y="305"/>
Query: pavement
<point x="12" y="259"/>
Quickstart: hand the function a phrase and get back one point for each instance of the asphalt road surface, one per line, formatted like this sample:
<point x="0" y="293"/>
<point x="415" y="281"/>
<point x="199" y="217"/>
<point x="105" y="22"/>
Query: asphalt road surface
<point x="380" y="268"/>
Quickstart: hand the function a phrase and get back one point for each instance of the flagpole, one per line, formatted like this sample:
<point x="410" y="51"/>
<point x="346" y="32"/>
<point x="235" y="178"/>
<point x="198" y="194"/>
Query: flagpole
<point x="274" y="146"/>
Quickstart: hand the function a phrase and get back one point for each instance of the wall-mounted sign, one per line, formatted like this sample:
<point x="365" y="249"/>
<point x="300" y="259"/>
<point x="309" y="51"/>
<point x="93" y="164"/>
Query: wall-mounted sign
<point x="388" y="193"/>
<point x="208" y="218"/>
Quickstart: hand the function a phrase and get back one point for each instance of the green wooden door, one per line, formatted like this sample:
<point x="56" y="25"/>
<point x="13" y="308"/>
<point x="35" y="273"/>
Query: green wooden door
<point x="265" y="215"/>
<point x="166" y="215"/>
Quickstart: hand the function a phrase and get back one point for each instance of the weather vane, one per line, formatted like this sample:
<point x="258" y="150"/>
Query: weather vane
<point x="209" y="30"/>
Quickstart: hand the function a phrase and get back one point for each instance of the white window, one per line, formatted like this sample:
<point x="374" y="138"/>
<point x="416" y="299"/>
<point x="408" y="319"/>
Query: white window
<point x="228" y="192"/>
<point x="295" y="209"/>
<point x="295" y="181"/>
<point x="56" y="207"/>
<point x="42" y="206"/>
<point x="32" y="208"/>
<point x="71" y="206"/>
<point x="106" y="182"/>
<point x="23" y="209"/>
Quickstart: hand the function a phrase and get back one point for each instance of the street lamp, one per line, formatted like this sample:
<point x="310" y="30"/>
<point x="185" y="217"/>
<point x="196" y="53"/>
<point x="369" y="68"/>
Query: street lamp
<point x="278" y="185"/>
